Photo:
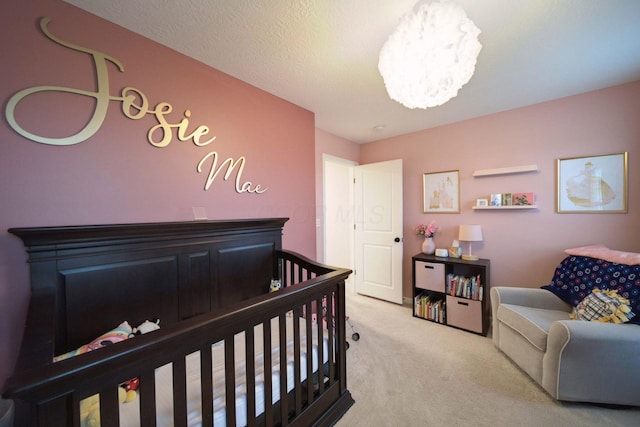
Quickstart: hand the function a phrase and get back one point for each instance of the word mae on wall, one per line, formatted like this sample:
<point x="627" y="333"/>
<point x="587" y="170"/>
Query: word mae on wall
<point x="135" y="106"/>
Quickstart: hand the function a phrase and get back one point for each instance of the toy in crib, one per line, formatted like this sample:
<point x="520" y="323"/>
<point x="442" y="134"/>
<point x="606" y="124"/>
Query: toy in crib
<point x="90" y="408"/>
<point x="147" y="326"/>
<point x="275" y="285"/>
<point x="131" y="386"/>
<point x="128" y="391"/>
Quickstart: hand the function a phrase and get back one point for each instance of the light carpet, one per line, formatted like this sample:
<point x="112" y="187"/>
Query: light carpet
<point x="405" y="371"/>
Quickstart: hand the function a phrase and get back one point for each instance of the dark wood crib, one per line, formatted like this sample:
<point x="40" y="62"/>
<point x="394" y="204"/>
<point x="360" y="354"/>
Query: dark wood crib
<point x="208" y="283"/>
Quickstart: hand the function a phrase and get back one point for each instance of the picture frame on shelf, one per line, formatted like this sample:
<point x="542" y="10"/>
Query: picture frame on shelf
<point x="496" y="199"/>
<point x="523" y="199"/>
<point x="507" y="199"/>
<point x="441" y="192"/>
<point x="482" y="203"/>
<point x="592" y="184"/>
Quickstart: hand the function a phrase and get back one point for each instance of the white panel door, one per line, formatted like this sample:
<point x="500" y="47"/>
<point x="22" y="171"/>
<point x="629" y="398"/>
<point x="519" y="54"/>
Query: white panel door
<point x="378" y="207"/>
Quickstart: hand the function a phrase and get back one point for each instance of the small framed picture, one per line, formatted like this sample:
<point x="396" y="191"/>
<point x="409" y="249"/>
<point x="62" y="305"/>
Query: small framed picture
<point x="482" y="202"/>
<point x="507" y="200"/>
<point x="496" y="199"/>
<point x="523" y="199"/>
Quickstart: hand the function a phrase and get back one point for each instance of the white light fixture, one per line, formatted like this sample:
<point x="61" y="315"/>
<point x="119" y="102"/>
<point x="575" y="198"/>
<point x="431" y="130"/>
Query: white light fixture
<point x="470" y="233"/>
<point x="430" y="55"/>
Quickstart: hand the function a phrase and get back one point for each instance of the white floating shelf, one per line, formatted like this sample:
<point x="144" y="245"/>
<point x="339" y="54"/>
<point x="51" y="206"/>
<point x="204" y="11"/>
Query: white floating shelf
<point x="504" y="171"/>
<point x="486" y="208"/>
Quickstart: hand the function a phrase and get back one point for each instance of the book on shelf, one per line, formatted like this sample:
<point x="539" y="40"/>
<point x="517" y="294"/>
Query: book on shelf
<point x="429" y="307"/>
<point x="465" y="287"/>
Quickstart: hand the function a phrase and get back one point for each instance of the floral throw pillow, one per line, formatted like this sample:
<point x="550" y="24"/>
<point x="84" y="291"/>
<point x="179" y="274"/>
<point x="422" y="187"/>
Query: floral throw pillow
<point x="603" y="306"/>
<point x="577" y="276"/>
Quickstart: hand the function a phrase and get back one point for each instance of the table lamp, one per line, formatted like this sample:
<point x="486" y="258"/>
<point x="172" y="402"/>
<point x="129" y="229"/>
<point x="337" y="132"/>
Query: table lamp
<point x="470" y="233"/>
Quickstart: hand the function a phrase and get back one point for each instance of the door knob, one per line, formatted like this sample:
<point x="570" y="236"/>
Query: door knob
<point x="397" y="239"/>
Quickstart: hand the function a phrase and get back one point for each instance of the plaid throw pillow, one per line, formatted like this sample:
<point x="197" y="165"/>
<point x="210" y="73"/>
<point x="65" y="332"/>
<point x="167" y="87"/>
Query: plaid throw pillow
<point x="603" y="306"/>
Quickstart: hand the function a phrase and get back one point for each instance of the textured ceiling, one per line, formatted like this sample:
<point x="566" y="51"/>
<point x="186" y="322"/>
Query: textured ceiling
<point x="323" y="54"/>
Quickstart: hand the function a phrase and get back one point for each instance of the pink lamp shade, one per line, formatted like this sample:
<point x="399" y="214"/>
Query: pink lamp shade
<point x="470" y="233"/>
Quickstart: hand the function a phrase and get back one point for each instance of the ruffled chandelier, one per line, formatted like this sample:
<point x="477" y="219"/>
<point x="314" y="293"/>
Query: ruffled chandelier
<point x="430" y="55"/>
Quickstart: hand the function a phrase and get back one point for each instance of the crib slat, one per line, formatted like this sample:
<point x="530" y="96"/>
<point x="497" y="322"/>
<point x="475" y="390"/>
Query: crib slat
<point x="341" y="360"/>
<point x="147" y="396"/>
<point x="292" y="274"/>
<point x="309" y="337"/>
<point x="285" y="273"/>
<point x="331" y="329"/>
<point x="297" y="383"/>
<point x="206" y="385"/>
<point x="109" y="410"/>
<point x="75" y="416"/>
<point x="230" y="380"/>
<point x="251" y="377"/>
<point x="320" y="328"/>
<point x="284" y="407"/>
<point x="180" y="392"/>
<point x="268" y="372"/>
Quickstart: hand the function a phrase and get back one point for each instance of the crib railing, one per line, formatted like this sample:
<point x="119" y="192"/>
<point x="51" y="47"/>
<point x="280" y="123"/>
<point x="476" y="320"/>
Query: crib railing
<point x="54" y="392"/>
<point x="330" y="312"/>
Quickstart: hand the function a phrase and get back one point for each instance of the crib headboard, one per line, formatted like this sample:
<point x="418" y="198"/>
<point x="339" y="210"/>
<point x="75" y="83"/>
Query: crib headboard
<point x="85" y="280"/>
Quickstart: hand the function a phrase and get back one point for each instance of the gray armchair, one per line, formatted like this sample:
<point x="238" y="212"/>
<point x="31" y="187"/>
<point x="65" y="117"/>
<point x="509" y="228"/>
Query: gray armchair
<point x="573" y="360"/>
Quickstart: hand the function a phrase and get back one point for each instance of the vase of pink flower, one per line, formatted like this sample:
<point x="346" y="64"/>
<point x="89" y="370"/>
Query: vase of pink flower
<point x="428" y="231"/>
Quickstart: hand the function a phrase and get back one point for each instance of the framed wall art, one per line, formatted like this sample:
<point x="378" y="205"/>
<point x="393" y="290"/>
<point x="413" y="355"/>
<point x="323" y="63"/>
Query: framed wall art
<point x="596" y="184"/>
<point x="441" y="192"/>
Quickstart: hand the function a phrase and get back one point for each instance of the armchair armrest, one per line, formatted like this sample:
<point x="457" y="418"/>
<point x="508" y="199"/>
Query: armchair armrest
<point x="528" y="297"/>
<point x="592" y="361"/>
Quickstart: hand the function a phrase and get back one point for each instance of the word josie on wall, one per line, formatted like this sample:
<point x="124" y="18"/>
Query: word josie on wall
<point x="135" y="106"/>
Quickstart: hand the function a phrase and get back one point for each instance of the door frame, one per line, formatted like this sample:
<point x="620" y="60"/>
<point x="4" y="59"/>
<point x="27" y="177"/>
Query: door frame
<point x="321" y="251"/>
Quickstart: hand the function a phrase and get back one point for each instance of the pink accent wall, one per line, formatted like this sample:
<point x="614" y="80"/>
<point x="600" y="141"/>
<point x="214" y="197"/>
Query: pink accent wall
<point x="116" y="176"/>
<point x="524" y="246"/>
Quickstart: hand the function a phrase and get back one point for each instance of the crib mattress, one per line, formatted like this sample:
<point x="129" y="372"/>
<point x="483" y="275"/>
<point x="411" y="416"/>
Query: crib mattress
<point x="129" y="412"/>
